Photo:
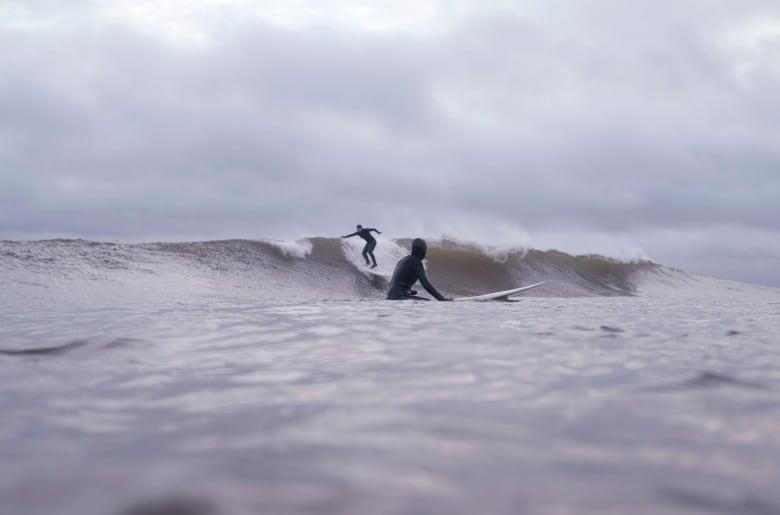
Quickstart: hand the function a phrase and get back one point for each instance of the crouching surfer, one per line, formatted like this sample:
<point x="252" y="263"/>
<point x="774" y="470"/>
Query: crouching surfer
<point x="408" y="271"/>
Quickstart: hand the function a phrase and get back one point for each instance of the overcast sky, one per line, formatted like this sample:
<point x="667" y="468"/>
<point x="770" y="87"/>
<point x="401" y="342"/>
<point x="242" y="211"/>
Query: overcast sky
<point x="634" y="129"/>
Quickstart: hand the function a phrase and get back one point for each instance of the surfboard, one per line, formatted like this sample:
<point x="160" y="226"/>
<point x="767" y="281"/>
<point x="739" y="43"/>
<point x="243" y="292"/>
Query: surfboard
<point x="499" y="295"/>
<point x="380" y="270"/>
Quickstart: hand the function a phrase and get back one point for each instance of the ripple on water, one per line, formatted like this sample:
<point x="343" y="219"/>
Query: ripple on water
<point x="714" y="380"/>
<point x="43" y="351"/>
<point x="707" y="380"/>
<point x="54" y="350"/>
<point x="172" y="506"/>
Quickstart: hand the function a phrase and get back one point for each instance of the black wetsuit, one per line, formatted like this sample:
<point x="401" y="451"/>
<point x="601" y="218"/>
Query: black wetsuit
<point x="368" y="249"/>
<point x="407" y="272"/>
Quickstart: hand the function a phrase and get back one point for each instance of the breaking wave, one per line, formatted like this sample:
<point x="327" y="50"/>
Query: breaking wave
<point x="315" y="268"/>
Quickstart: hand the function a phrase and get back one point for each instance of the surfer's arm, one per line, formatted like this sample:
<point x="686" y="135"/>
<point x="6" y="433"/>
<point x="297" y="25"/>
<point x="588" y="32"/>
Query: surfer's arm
<point x="376" y="231"/>
<point x="427" y="284"/>
<point x="350" y="235"/>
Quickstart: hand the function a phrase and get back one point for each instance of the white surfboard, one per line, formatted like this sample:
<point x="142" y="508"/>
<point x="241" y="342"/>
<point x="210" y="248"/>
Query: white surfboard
<point x="500" y="295"/>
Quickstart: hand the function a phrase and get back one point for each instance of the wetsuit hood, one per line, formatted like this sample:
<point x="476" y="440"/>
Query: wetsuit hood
<point x="419" y="248"/>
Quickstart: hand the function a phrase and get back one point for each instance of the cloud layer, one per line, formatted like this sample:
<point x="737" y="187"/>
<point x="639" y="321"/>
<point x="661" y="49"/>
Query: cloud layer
<point x="636" y="129"/>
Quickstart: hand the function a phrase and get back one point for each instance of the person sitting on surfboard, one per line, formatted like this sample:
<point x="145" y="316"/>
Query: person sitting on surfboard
<point x="408" y="271"/>
<point x="368" y="250"/>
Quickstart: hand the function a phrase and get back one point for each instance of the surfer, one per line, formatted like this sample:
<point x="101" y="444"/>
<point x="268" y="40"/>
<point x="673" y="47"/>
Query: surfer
<point x="368" y="249"/>
<point x="408" y="271"/>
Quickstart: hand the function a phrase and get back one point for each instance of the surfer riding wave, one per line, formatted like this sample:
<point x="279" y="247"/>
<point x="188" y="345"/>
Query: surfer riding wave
<point x="368" y="249"/>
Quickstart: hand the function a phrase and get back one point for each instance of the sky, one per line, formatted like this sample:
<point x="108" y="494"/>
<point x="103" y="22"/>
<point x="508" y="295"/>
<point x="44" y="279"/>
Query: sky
<point x="643" y="129"/>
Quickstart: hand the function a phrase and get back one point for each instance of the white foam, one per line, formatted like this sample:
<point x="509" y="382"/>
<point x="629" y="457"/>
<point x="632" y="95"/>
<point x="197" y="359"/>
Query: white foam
<point x="297" y="249"/>
<point x="387" y="253"/>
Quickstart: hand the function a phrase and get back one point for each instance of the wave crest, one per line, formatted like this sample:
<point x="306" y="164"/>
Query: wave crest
<point x="315" y="267"/>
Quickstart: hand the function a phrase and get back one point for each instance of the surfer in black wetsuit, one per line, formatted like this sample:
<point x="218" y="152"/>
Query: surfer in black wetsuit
<point x="368" y="250"/>
<point x="408" y="271"/>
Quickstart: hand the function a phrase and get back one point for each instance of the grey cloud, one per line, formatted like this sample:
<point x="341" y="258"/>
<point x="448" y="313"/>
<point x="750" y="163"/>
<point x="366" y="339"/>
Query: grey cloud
<point x="618" y="119"/>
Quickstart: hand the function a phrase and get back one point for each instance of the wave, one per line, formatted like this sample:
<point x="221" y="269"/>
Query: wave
<point x="316" y="268"/>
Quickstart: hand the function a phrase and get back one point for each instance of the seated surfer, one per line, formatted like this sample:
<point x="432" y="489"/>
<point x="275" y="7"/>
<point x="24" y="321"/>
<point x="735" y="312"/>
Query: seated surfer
<point x="408" y="271"/>
<point x="368" y="249"/>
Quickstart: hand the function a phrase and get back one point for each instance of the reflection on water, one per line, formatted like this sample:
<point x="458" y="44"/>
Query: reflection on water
<point x="600" y="405"/>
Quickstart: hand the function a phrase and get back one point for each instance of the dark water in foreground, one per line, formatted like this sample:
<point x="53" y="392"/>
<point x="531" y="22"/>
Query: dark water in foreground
<point x="650" y="404"/>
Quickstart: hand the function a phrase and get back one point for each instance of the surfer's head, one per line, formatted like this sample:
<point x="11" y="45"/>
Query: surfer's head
<point x="359" y="227"/>
<point x="419" y="248"/>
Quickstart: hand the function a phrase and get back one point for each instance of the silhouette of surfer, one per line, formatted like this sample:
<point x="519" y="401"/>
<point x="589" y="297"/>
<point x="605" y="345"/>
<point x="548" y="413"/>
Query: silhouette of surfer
<point x="368" y="249"/>
<point x="408" y="271"/>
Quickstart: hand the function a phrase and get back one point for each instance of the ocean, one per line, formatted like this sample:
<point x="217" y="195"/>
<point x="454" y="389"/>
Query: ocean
<point x="243" y="377"/>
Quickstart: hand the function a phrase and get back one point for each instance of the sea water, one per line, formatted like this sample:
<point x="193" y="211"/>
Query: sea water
<point x="667" y="401"/>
